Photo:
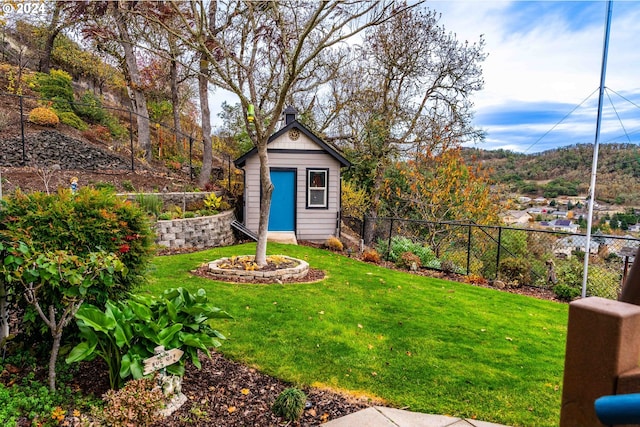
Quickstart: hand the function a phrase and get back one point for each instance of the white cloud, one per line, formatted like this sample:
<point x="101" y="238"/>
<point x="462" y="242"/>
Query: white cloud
<point x="545" y="53"/>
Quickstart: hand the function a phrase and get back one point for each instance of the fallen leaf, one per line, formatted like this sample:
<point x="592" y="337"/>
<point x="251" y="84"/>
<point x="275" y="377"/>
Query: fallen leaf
<point x="508" y="338"/>
<point x="374" y="374"/>
<point x="312" y="412"/>
<point x="360" y="326"/>
<point x="321" y="312"/>
<point x="324" y="417"/>
<point x="370" y="346"/>
<point x="275" y="302"/>
<point x="231" y="409"/>
<point x="409" y="353"/>
<point x="244" y="391"/>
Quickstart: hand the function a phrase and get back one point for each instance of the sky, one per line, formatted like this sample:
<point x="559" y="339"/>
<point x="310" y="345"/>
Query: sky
<point x="542" y="73"/>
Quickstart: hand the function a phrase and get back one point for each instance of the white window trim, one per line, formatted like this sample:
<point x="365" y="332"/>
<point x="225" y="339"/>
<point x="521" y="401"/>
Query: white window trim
<point x="325" y="203"/>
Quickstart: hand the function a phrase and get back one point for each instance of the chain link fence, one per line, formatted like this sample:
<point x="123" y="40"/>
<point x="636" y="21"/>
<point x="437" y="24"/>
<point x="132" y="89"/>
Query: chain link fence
<point x="516" y="256"/>
<point x="177" y="150"/>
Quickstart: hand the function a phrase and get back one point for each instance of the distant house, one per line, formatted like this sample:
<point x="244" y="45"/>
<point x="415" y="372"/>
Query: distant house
<point x="565" y="247"/>
<point x="635" y="228"/>
<point x="305" y="172"/>
<point x="516" y="217"/>
<point x="564" y="225"/>
<point x="524" y="199"/>
<point x="540" y="201"/>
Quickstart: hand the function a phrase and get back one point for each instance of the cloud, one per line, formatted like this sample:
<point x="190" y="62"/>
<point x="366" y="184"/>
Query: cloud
<point x="544" y="61"/>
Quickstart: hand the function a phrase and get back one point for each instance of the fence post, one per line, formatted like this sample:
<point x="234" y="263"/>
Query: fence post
<point x="131" y="140"/>
<point x="469" y="251"/>
<point x="498" y="251"/>
<point x="190" y="154"/>
<point x="24" y="150"/>
<point x="389" y="242"/>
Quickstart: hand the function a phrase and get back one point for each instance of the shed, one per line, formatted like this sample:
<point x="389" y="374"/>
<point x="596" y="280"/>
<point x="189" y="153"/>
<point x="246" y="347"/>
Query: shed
<point x="305" y="172"/>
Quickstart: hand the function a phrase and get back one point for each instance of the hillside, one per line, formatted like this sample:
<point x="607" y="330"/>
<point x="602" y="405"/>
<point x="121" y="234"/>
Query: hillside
<point x="567" y="171"/>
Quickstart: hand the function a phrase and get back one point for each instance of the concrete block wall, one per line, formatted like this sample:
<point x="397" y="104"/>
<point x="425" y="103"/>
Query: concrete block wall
<point x="202" y="232"/>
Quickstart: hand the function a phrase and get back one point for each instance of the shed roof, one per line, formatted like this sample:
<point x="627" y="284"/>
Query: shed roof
<point x="240" y="162"/>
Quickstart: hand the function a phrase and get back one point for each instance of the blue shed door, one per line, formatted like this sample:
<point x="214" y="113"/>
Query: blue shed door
<point x="282" y="214"/>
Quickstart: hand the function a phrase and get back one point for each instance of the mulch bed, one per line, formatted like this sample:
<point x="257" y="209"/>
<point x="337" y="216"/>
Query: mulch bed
<point x="225" y="393"/>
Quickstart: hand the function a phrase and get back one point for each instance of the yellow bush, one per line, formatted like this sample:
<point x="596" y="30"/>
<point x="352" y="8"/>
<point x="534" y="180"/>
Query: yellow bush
<point x="44" y="116"/>
<point x="355" y="201"/>
<point x="334" y="244"/>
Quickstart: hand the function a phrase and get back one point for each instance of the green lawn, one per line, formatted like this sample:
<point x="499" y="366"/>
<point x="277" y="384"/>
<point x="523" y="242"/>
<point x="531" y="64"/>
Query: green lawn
<point x="425" y="344"/>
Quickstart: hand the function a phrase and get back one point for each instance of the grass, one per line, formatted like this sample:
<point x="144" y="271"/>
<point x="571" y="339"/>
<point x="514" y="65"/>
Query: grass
<point x="420" y="343"/>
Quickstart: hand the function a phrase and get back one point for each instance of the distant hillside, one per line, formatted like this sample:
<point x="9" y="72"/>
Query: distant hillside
<point x="567" y="171"/>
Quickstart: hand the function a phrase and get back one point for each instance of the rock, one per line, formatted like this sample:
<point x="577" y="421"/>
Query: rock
<point x="55" y="150"/>
<point x="499" y="284"/>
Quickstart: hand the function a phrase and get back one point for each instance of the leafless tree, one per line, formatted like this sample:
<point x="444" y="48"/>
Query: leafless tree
<point x="267" y="52"/>
<point x="412" y="92"/>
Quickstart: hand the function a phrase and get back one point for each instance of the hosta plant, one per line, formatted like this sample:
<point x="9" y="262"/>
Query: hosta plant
<point x="126" y="332"/>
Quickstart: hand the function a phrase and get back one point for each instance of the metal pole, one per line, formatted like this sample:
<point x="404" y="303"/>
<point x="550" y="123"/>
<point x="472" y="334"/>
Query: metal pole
<point x="131" y="139"/>
<point x="596" y="144"/>
<point x="498" y="254"/>
<point x="24" y="150"/>
<point x="469" y="251"/>
<point x="389" y="242"/>
<point x="190" y="154"/>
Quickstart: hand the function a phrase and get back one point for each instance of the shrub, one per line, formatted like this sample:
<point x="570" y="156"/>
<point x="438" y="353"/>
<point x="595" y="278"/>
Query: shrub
<point x="290" y="404"/>
<point x="400" y="245"/>
<point x="138" y="403"/>
<point x="449" y="266"/>
<point x="69" y="118"/>
<point x="408" y="260"/>
<point x="44" y="116"/>
<point x="334" y="244"/>
<point x="212" y="201"/>
<point x="108" y="186"/>
<point x="476" y="279"/>
<point x="152" y="204"/>
<point x="56" y="86"/>
<point x="90" y="107"/>
<point x="128" y="186"/>
<point x="371" y="255"/>
<point x="82" y="223"/>
<point x="566" y="292"/>
<point x="126" y="332"/>
<point x="355" y="201"/>
<point x="516" y="271"/>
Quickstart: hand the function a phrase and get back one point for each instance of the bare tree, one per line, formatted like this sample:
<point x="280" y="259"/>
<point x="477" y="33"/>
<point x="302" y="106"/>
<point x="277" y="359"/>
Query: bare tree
<point x="412" y="92"/>
<point x="266" y="52"/>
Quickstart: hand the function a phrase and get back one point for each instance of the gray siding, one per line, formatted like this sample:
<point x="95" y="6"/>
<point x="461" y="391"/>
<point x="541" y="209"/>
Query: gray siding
<point x="311" y="224"/>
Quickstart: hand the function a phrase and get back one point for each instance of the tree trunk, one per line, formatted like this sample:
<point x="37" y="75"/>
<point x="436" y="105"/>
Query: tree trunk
<point x="55" y="349"/>
<point x="134" y="86"/>
<point x="207" y="149"/>
<point x="175" y="98"/>
<point x="52" y="32"/>
<point x="372" y="216"/>
<point x="265" y="204"/>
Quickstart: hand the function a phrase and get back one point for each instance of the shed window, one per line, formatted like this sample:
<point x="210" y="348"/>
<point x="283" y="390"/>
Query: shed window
<point x="317" y="188"/>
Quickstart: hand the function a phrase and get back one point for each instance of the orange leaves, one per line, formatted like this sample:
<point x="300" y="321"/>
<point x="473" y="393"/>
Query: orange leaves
<point x="439" y="186"/>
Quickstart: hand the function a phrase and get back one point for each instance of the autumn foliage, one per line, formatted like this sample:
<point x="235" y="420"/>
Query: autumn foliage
<point x="44" y="116"/>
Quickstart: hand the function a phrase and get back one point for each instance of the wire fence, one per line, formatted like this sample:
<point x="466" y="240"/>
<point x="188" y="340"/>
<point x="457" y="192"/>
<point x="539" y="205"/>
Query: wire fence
<point x="516" y="256"/>
<point x="179" y="151"/>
